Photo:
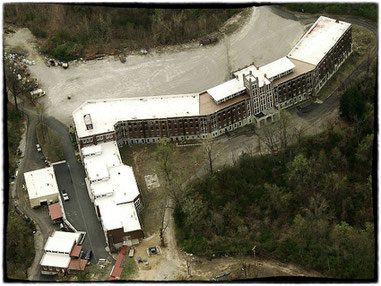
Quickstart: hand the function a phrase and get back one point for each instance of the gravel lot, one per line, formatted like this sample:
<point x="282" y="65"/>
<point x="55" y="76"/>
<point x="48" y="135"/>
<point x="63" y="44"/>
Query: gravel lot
<point x="264" y="38"/>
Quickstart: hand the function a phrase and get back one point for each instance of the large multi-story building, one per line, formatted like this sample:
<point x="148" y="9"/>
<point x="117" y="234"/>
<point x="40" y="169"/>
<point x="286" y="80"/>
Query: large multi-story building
<point x="253" y="95"/>
<point x="113" y="190"/>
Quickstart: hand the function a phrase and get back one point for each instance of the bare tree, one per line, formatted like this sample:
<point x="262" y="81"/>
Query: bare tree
<point x="259" y="146"/>
<point x="269" y="136"/>
<point x="164" y="157"/>
<point x="276" y="136"/>
<point x="41" y="113"/>
<point x="284" y="128"/>
<point x="13" y="84"/>
<point x="172" y="185"/>
<point x="208" y="149"/>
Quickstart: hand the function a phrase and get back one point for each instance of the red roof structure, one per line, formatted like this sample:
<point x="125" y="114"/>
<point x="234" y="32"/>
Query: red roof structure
<point x="117" y="271"/>
<point x="76" y="251"/>
<point x="55" y="211"/>
<point x="78" y="264"/>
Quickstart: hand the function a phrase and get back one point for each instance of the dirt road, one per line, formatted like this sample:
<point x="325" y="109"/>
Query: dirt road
<point x="264" y="38"/>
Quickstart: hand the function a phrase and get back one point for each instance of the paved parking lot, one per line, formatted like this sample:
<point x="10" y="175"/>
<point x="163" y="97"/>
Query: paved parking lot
<point x="80" y="211"/>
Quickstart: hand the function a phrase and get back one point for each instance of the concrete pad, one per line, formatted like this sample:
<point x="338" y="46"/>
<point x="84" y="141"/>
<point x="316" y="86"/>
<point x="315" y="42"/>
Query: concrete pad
<point x="152" y="181"/>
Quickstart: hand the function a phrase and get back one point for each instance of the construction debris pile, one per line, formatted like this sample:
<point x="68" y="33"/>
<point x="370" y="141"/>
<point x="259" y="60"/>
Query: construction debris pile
<point x="49" y="62"/>
<point x="18" y="64"/>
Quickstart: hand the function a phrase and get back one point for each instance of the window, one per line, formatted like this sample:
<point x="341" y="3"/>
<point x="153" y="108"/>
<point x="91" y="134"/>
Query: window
<point x="137" y="203"/>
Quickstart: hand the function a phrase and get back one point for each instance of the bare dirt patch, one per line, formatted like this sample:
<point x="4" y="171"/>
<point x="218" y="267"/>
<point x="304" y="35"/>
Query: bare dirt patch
<point x="144" y="162"/>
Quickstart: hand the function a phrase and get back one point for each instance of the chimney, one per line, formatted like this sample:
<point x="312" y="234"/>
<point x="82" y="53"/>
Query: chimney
<point x="251" y="72"/>
<point x="337" y="20"/>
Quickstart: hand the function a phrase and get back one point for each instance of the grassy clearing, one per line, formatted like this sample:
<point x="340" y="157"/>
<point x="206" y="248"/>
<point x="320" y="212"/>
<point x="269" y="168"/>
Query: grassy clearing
<point x="50" y="144"/>
<point x="363" y="44"/>
<point x="129" y="268"/>
<point x="144" y="162"/>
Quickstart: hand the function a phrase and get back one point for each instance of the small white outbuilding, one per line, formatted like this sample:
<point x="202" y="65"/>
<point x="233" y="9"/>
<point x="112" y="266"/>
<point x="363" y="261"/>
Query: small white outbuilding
<point x="42" y="187"/>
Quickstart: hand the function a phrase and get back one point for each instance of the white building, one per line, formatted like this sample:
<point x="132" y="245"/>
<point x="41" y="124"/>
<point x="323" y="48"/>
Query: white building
<point x="114" y="191"/>
<point x="105" y="113"/>
<point x="61" y="253"/>
<point x="42" y="187"/>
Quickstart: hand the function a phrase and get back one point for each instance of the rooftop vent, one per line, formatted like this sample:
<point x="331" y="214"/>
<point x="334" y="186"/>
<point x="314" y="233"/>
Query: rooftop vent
<point x="88" y="122"/>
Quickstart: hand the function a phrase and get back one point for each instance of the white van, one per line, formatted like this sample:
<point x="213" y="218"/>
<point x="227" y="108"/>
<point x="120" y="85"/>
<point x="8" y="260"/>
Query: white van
<point x="37" y="93"/>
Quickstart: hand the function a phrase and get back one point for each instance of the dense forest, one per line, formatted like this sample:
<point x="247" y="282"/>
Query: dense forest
<point x="71" y="30"/>
<point x="366" y="10"/>
<point x="19" y="237"/>
<point x="310" y="203"/>
<point x="20" y="247"/>
<point x="14" y="124"/>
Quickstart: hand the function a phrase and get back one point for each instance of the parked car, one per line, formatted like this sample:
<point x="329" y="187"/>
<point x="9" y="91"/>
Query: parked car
<point x="38" y="148"/>
<point x="65" y="195"/>
<point x="209" y="40"/>
<point x="37" y="93"/>
<point x="88" y="256"/>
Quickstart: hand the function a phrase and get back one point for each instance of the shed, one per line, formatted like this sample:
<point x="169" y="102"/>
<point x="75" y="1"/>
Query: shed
<point x="78" y="264"/>
<point x="55" y="212"/>
<point x="76" y="251"/>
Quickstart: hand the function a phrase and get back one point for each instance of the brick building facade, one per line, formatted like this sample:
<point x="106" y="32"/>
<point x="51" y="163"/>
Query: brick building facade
<point x="253" y="95"/>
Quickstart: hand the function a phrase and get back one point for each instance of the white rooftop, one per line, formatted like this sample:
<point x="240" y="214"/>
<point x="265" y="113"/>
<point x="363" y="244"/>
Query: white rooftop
<point x="319" y="39"/>
<point x="55" y="260"/>
<point x="41" y="183"/>
<point x="262" y="80"/>
<point x="59" y="244"/>
<point x="91" y="150"/>
<point x="226" y="89"/>
<point x="122" y="216"/>
<point x="121" y="186"/>
<point x="67" y="235"/>
<point x="101" y="188"/>
<point x="277" y="67"/>
<point x="105" y="113"/>
<point x="97" y="165"/>
<point x="130" y="218"/>
<point x="124" y="184"/>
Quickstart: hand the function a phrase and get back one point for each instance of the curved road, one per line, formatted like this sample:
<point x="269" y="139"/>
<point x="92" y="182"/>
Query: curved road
<point x="33" y="160"/>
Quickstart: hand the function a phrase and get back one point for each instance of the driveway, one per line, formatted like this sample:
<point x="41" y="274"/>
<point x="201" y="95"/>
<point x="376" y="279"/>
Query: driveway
<point x="80" y="211"/>
<point x="33" y="160"/>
